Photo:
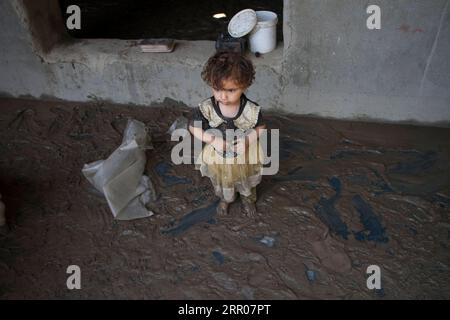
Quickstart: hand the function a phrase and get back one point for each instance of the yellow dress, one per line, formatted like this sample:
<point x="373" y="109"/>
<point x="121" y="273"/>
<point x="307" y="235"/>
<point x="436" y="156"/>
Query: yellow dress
<point x="235" y="173"/>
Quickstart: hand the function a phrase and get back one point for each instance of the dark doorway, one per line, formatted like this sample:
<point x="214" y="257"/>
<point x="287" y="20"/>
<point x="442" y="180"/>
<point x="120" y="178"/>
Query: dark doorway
<point x="177" y="19"/>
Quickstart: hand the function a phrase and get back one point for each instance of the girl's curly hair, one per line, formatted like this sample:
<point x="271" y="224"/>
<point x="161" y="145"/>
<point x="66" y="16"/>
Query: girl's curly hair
<point x="228" y="65"/>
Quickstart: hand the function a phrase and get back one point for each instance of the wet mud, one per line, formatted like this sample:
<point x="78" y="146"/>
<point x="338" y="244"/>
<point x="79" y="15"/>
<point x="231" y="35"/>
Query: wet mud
<point x="347" y="195"/>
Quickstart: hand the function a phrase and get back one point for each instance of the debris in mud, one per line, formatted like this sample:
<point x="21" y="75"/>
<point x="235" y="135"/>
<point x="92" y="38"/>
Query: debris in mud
<point x="162" y="170"/>
<point x="370" y="220"/>
<point x="328" y="214"/>
<point x="179" y="123"/>
<point x="219" y="258"/>
<point x="268" y="241"/>
<point x="311" y="275"/>
<point x="192" y="218"/>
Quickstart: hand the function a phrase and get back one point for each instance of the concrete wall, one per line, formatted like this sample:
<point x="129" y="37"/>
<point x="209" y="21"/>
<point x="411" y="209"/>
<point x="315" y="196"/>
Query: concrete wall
<point x="334" y="66"/>
<point x="329" y="65"/>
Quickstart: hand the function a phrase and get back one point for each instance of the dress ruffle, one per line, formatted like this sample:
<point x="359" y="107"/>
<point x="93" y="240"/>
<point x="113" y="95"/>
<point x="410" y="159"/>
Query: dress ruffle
<point x="231" y="175"/>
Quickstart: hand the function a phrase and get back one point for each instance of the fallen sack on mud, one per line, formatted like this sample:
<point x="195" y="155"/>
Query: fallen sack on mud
<point x="120" y="177"/>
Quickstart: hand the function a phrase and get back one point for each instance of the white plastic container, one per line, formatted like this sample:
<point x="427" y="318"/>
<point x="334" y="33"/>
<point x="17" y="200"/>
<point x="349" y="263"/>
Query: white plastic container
<point x="263" y="37"/>
<point x="260" y="26"/>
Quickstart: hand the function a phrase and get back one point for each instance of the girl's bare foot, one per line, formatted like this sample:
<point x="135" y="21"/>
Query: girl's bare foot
<point x="249" y="208"/>
<point x="222" y="208"/>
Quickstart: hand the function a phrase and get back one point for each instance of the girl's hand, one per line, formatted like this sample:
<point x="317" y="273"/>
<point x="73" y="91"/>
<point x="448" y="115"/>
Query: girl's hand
<point x="219" y="144"/>
<point x="240" y="146"/>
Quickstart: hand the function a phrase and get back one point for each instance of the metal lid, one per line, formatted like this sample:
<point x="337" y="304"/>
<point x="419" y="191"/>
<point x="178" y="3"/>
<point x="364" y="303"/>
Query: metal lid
<point x="242" y="23"/>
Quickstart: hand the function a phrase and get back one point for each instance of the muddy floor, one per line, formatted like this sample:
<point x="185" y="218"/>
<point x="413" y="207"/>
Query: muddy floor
<point x="348" y="195"/>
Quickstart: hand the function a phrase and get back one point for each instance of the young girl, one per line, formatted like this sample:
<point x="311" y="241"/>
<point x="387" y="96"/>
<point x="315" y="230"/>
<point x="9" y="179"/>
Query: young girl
<point x="232" y="166"/>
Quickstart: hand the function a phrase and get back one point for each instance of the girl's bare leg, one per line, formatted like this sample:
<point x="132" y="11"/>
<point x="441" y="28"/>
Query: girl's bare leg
<point x="222" y="208"/>
<point x="248" y="204"/>
<point x="249" y="209"/>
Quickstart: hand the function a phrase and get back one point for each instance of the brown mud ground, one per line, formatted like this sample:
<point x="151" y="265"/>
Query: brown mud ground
<point x="348" y="195"/>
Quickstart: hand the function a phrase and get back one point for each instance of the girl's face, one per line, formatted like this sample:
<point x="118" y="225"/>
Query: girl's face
<point x="229" y="94"/>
